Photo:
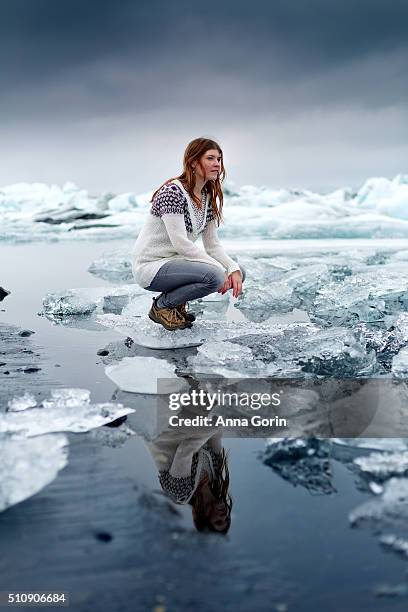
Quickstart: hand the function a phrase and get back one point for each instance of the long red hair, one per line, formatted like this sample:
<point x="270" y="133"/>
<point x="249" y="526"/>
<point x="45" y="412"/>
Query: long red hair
<point x="193" y="153"/>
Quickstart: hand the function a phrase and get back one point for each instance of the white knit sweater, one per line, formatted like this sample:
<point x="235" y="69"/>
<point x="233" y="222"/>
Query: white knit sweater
<point x="170" y="231"/>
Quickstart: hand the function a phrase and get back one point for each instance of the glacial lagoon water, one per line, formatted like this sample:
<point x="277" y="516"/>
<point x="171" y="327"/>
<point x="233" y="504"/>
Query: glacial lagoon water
<point x="102" y="530"/>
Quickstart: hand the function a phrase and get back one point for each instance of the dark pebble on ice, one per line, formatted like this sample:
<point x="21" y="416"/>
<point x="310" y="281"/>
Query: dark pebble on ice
<point x="102" y="352"/>
<point x="103" y="536"/>
<point x="2" y="363"/>
<point x="3" y="293"/>
<point x="128" y="342"/>
<point x="57" y="365"/>
<point x="6" y="372"/>
<point x="116" y="422"/>
<point x="31" y="370"/>
<point x="26" y="332"/>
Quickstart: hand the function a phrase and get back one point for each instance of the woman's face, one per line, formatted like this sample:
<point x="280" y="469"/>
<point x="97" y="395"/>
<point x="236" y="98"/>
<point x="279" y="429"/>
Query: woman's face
<point x="210" y="165"/>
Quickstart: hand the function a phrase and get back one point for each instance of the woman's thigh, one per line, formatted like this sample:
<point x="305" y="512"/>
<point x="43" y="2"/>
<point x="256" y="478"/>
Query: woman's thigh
<point x="181" y="272"/>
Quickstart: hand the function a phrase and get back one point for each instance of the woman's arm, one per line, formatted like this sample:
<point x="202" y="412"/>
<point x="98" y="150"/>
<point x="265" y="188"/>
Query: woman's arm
<point x="176" y="230"/>
<point x="214" y="248"/>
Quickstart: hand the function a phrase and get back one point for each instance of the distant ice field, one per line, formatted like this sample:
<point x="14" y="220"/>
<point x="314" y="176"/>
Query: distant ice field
<point x="378" y="209"/>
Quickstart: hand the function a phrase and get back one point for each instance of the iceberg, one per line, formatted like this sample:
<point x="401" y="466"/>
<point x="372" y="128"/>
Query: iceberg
<point x="377" y="209"/>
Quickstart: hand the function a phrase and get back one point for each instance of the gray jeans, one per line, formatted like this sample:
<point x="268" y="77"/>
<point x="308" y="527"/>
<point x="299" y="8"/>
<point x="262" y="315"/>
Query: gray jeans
<point x="182" y="280"/>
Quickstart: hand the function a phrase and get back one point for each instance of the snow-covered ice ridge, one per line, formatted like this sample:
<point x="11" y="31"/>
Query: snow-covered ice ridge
<point x="378" y="209"/>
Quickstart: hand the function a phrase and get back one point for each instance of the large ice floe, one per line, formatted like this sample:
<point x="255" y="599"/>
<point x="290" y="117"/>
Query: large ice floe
<point x="130" y="375"/>
<point x="33" y="448"/>
<point x="377" y="209"/>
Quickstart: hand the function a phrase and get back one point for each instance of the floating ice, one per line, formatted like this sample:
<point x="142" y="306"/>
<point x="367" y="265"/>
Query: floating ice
<point x="146" y="333"/>
<point x="382" y="466"/>
<point x="259" y="302"/>
<point x="400" y="364"/>
<point x="306" y="348"/>
<point x="67" y="410"/>
<point x="113" y="266"/>
<point x="113" y="437"/>
<point x="364" y="297"/>
<point x="27" y="466"/>
<point x="130" y="375"/>
<point x="301" y="462"/>
<point x="395" y="543"/>
<point x="22" y="403"/>
<point x="77" y="302"/>
<point x="390" y="508"/>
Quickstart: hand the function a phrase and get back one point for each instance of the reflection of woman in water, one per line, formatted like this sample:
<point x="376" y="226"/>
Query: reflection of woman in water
<point x="194" y="470"/>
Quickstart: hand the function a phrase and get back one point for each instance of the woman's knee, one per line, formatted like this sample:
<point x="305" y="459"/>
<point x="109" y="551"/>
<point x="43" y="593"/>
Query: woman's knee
<point x="214" y="279"/>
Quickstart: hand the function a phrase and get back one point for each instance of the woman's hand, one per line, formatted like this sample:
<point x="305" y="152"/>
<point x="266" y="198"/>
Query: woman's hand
<point x="227" y="285"/>
<point x="234" y="282"/>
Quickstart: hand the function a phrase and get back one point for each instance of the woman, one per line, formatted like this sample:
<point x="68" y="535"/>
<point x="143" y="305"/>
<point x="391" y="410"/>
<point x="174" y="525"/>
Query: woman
<point x="165" y="258"/>
<point x="193" y="469"/>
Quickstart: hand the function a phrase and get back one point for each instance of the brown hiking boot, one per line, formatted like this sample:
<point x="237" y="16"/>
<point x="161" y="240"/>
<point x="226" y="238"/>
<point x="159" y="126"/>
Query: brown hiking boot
<point x="188" y="316"/>
<point x="170" y="318"/>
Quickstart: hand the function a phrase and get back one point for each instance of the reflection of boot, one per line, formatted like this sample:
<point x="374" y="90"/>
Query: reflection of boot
<point x="182" y="309"/>
<point x="170" y="318"/>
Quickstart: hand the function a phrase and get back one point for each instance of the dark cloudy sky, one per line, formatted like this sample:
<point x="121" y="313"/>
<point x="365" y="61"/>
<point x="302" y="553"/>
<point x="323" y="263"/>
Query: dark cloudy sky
<point x="299" y="93"/>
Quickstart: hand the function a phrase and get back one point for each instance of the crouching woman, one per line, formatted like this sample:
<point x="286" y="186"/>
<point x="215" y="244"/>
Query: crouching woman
<point x="166" y="258"/>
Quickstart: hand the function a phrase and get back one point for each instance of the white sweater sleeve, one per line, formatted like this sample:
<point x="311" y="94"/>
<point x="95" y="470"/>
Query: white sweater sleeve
<point x="214" y="248"/>
<point x="177" y="232"/>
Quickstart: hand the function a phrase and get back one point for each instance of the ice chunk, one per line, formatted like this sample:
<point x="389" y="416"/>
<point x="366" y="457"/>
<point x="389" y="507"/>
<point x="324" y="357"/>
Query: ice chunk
<point x="67" y="410"/>
<point x="396" y="544"/>
<point x="77" y="302"/>
<point x="390" y="508"/>
<point x="68" y="398"/>
<point x="22" y="403"/>
<point x="28" y="465"/>
<point x="302" y="462"/>
<point x="113" y="437"/>
<point x="382" y="466"/>
<point x="368" y="296"/>
<point x="223" y="358"/>
<point x="258" y="304"/>
<point x="146" y="333"/>
<point x="138" y="306"/>
<point x="303" y="347"/>
<point x="400" y="364"/>
<point x="113" y="266"/>
<point x="130" y="375"/>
